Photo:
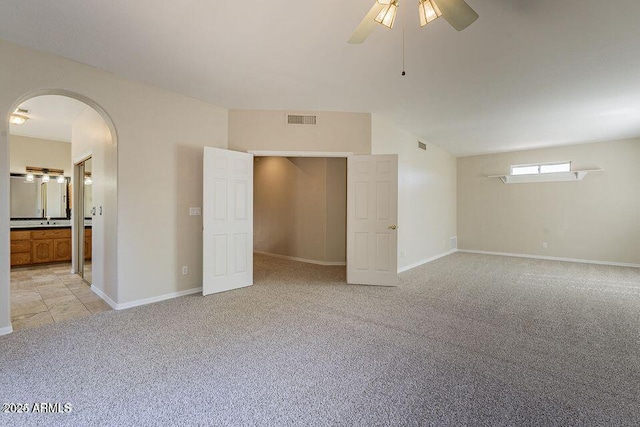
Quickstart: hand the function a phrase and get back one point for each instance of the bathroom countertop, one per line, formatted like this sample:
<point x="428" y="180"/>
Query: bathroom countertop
<point x="41" y="226"/>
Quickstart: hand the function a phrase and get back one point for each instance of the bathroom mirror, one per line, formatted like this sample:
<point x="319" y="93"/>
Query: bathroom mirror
<point x="37" y="199"/>
<point x="88" y="187"/>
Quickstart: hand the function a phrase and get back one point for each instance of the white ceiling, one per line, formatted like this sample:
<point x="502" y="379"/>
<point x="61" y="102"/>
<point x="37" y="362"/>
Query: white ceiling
<point x="50" y="117"/>
<point x="526" y="74"/>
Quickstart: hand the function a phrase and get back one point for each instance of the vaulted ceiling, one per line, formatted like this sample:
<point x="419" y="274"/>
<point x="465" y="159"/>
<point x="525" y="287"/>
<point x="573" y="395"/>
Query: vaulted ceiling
<point x="526" y="74"/>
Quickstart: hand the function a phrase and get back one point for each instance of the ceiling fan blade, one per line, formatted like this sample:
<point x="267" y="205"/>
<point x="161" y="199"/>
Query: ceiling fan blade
<point x="457" y="13"/>
<point x="366" y="25"/>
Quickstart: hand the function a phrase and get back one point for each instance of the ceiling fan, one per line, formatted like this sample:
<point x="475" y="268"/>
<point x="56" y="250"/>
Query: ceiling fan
<point x="457" y="13"/>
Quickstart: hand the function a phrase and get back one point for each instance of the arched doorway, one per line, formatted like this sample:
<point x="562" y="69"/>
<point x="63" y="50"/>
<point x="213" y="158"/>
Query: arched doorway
<point x="62" y="238"/>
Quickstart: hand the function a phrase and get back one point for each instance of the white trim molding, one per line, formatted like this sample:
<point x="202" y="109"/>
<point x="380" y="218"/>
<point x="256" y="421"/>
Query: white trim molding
<point x="259" y="153"/>
<point x="308" y="261"/>
<point x="552" y="258"/>
<point x="424" y="261"/>
<point x="82" y="157"/>
<point x="159" y="298"/>
<point x="104" y="296"/>
<point x="144" y="301"/>
<point x="6" y="330"/>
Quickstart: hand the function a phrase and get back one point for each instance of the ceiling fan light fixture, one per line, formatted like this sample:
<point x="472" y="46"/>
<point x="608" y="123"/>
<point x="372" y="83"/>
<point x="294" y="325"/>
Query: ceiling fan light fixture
<point x="387" y="15"/>
<point x="428" y="11"/>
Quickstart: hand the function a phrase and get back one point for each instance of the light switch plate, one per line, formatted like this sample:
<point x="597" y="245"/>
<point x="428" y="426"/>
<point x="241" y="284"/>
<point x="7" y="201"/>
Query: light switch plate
<point x="195" y="211"/>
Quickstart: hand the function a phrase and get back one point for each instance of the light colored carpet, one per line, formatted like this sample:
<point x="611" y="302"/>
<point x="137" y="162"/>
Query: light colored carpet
<point x="465" y="340"/>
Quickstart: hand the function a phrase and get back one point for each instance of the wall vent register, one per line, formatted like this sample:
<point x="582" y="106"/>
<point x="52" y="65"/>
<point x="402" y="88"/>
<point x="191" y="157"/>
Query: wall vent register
<point x="301" y="119"/>
<point x="422" y="145"/>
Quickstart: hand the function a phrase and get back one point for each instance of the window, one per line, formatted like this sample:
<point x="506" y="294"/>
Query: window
<point x="555" y="167"/>
<point x="525" y="170"/>
<point x="540" y="168"/>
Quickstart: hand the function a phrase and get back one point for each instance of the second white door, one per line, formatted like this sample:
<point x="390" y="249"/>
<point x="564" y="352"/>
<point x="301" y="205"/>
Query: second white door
<point x="228" y="220"/>
<point x="372" y="216"/>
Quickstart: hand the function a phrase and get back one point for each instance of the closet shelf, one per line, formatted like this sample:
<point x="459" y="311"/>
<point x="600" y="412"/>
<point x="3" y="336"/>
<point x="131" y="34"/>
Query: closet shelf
<point x="545" y="177"/>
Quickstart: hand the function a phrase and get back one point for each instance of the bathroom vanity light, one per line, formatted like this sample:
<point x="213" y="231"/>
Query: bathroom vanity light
<point x="46" y="174"/>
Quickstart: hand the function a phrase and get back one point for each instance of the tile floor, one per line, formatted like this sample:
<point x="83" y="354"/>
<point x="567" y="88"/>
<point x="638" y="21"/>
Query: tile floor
<point x="50" y="294"/>
<point x="88" y="271"/>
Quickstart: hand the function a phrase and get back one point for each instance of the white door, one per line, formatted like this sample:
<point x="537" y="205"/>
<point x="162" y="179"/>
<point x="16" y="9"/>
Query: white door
<point x="372" y="215"/>
<point x="228" y="220"/>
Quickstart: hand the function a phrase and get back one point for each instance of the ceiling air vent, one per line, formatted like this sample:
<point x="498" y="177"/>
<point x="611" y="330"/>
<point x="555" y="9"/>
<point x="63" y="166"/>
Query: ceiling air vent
<point x="300" y="119"/>
<point x="422" y="145"/>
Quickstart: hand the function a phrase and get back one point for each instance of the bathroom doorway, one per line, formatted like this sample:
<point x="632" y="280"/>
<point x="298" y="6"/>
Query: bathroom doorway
<point x="62" y="252"/>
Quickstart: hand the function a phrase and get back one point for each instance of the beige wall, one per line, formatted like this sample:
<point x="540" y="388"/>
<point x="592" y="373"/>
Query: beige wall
<point x="426" y="193"/>
<point x="157" y="142"/>
<point x="267" y="130"/>
<point x="336" y="235"/>
<point x="595" y="219"/>
<point x="25" y="151"/>
<point x="90" y="135"/>
<point x="299" y="210"/>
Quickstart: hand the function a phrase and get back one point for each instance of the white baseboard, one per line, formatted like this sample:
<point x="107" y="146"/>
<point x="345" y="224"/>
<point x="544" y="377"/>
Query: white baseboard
<point x="424" y="261"/>
<point x="309" y="261"/>
<point x="159" y="298"/>
<point x="104" y="296"/>
<point x="552" y="258"/>
<point x="6" y="330"/>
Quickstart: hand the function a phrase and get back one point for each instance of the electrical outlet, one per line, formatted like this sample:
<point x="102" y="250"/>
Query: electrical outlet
<point x="544" y="245"/>
<point x="185" y="269"/>
<point x="195" y="211"/>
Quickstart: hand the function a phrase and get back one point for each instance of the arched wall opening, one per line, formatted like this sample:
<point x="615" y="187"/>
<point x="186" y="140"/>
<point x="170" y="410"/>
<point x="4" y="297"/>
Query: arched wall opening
<point x="95" y="136"/>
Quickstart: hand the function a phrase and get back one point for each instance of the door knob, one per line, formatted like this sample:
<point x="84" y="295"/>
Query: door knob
<point x="392" y="227"/>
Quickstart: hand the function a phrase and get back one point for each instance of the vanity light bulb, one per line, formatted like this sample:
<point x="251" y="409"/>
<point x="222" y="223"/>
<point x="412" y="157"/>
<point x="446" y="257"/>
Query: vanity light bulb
<point x="88" y="181"/>
<point x="60" y="179"/>
<point x="29" y="177"/>
<point x="45" y="178"/>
